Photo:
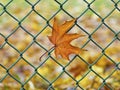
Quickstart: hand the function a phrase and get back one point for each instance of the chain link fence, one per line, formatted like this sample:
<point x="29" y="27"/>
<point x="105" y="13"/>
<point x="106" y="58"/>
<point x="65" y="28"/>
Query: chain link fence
<point x="25" y="25"/>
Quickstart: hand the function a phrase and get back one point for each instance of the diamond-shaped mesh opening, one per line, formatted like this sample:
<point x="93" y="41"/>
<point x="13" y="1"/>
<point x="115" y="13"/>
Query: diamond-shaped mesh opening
<point x="68" y="82"/>
<point x="104" y="67"/>
<point x="77" y="67"/>
<point x="80" y="6"/>
<point x="112" y="22"/>
<point x="89" y="21"/>
<point x="18" y="9"/>
<point x="108" y="64"/>
<point x="49" y="71"/>
<point x="34" y="23"/>
<point x="43" y="40"/>
<point x="92" y="51"/>
<point x="91" y="81"/>
<point x="22" y="43"/>
<point x="115" y="55"/>
<point x="7" y="24"/>
<point x="21" y="71"/>
<point x="44" y="6"/>
<point x="98" y="6"/>
<point x="108" y="36"/>
<point x="8" y="56"/>
<point x="33" y="53"/>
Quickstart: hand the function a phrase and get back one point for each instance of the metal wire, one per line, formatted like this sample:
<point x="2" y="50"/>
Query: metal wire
<point x="61" y="8"/>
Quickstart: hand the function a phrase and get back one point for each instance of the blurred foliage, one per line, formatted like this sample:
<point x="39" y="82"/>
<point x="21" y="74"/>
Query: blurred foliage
<point x="103" y="64"/>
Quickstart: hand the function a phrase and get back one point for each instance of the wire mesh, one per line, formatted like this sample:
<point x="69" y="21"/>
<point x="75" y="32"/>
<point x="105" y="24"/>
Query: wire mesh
<point x="61" y="7"/>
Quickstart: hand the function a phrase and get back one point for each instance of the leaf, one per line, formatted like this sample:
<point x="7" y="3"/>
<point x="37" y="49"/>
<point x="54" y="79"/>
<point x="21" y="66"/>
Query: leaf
<point x="61" y="39"/>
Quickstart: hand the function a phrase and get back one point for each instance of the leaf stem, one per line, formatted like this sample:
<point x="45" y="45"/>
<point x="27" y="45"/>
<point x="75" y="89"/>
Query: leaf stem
<point x="46" y="53"/>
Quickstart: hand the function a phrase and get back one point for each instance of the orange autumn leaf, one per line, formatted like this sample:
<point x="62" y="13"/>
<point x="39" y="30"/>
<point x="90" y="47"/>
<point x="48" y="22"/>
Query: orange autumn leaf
<point x="61" y="39"/>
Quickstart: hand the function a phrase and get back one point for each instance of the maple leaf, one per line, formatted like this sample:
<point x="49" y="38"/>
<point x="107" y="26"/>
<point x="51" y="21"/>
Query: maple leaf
<point x="61" y="39"/>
